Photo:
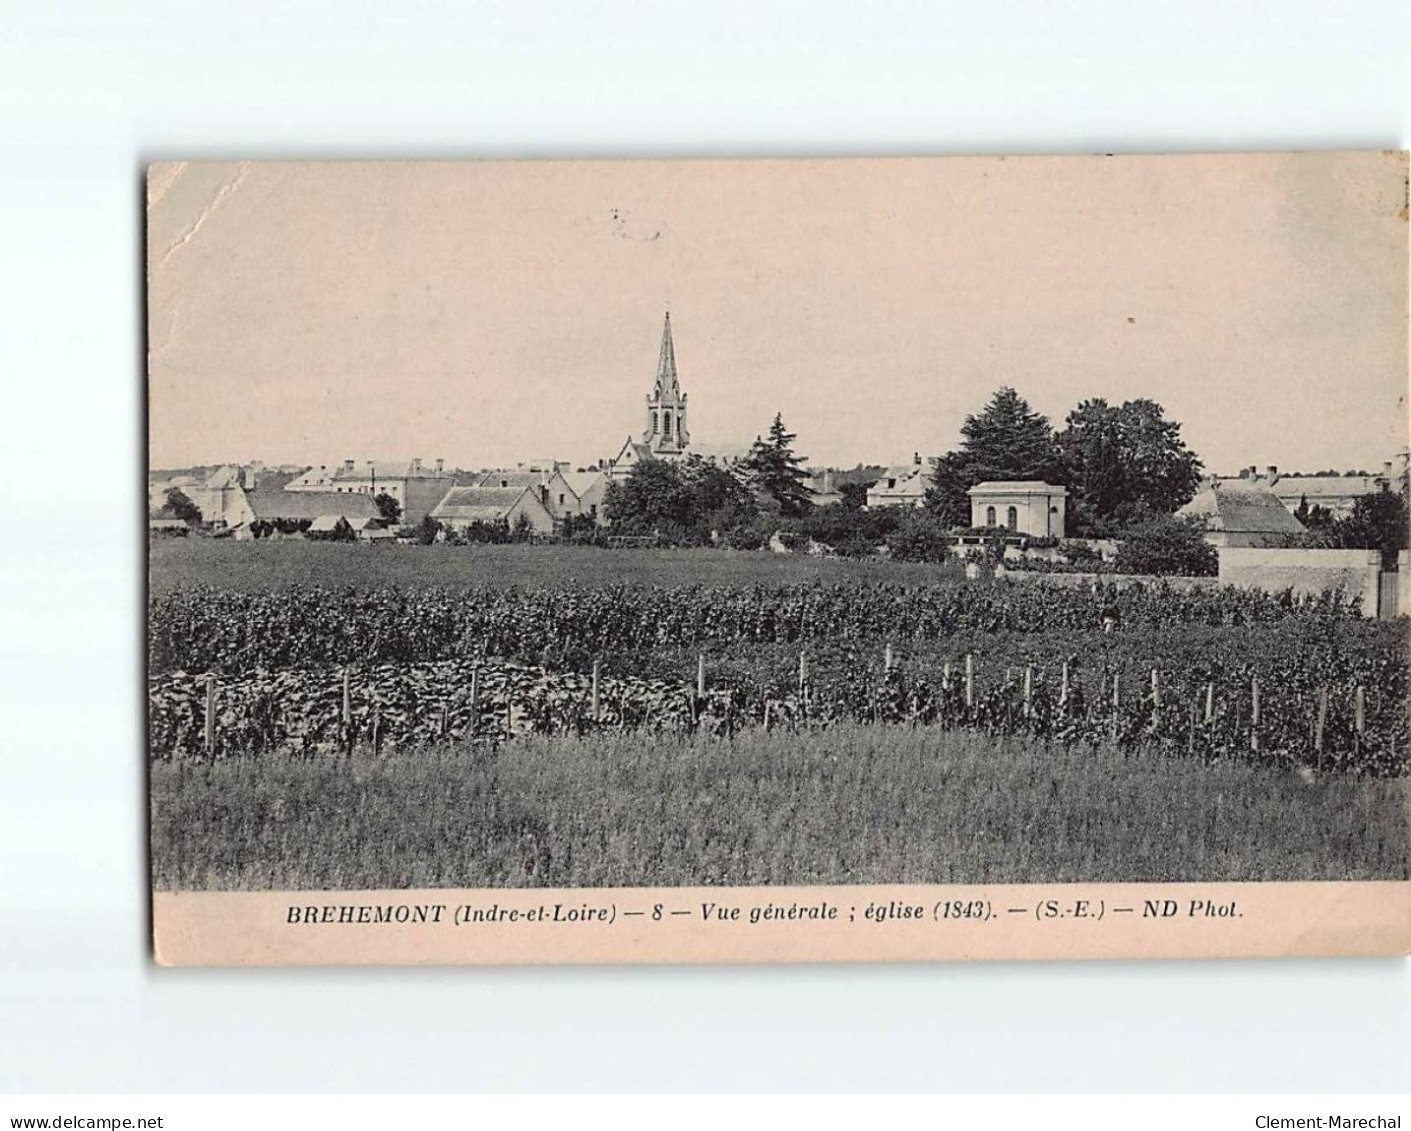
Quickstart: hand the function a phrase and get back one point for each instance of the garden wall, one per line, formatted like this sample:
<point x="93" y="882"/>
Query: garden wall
<point x="1355" y="572"/>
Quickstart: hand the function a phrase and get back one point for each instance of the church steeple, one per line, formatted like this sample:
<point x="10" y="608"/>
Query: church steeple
<point x="665" y="433"/>
<point x="666" y="363"/>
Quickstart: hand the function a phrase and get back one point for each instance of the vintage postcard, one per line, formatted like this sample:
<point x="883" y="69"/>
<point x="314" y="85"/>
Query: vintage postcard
<point x="778" y="560"/>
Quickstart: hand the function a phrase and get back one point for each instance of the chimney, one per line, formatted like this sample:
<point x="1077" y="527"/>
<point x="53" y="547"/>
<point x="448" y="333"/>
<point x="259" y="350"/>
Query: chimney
<point x="348" y="467"/>
<point x="416" y="466"/>
<point x="1272" y="471"/>
<point x="440" y="467"/>
<point x="916" y="458"/>
<point x="1244" y="473"/>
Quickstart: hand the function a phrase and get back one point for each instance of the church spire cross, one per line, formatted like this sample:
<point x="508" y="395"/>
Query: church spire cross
<point x="666" y="363"/>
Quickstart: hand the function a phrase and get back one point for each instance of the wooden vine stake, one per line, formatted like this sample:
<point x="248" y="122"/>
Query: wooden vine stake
<point x="1322" y="726"/>
<point x="1359" y="718"/>
<point x="597" y="666"/>
<point x="211" y="715"/>
<point x="347" y="716"/>
<point x="803" y="674"/>
<point x="1209" y="703"/>
<point x="1116" y="703"/>
<point x="1063" y="689"/>
<point x="887" y="658"/>
<point x="1028" y="691"/>
<point x="1254" y="714"/>
<point x="969" y="681"/>
<point x="700" y="676"/>
<point x="1155" y="700"/>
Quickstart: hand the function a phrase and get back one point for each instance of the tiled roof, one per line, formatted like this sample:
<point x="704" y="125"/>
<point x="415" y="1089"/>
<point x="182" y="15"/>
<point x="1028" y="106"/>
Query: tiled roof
<point x="1244" y="509"/>
<point x="478" y="503"/>
<point x="271" y="504"/>
<point x="516" y="479"/>
<point x="389" y="469"/>
<point x="1327" y="486"/>
<point x="581" y="482"/>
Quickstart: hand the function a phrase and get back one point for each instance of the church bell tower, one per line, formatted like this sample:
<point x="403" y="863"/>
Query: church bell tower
<point x="665" y="433"/>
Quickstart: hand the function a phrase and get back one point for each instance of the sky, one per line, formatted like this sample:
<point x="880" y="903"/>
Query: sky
<point x="489" y="313"/>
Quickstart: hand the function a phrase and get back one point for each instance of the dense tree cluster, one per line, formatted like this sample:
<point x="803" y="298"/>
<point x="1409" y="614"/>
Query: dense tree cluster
<point x="1376" y="522"/>
<point x="1123" y="464"/>
<point x="691" y="503"/>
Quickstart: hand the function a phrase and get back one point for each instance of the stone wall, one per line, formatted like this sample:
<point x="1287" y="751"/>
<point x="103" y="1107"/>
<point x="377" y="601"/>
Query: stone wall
<point x="1354" y="572"/>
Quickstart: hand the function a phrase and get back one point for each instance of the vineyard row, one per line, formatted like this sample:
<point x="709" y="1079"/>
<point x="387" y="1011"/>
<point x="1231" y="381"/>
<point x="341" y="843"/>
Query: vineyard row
<point x="203" y="629"/>
<point x="1339" y="727"/>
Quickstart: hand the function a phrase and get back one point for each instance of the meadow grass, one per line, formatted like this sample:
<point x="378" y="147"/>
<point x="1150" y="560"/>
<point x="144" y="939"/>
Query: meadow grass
<point x="849" y="805"/>
<point x="259" y="566"/>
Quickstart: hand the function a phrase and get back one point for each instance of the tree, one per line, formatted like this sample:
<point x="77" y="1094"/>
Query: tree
<point x="652" y="496"/>
<point x="1007" y="440"/>
<point x="388" y="508"/>
<point x="1125" y="464"/>
<point x="1376" y="522"/>
<point x="919" y="536"/>
<point x="182" y="507"/>
<point x="852" y="496"/>
<point x="718" y="499"/>
<point x="777" y="474"/>
<point x="1315" y="517"/>
<point x="1167" y="546"/>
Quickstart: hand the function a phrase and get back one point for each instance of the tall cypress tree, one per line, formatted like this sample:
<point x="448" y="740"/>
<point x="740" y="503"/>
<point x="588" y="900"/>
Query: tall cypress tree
<point x="1006" y="440"/>
<point x="777" y="473"/>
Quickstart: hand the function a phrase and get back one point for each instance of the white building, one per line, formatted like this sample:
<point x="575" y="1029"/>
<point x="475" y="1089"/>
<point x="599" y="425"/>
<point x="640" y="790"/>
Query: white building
<point x="1025" y="506"/>
<point x="416" y="487"/>
<point x="902" y="485"/>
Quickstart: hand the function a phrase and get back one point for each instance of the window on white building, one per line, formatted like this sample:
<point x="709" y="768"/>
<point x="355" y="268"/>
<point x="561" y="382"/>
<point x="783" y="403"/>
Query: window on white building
<point x="989" y="516"/>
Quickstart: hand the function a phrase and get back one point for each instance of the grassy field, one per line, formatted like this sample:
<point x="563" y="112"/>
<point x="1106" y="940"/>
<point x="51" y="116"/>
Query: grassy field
<point x="262" y="566"/>
<point x="854" y="804"/>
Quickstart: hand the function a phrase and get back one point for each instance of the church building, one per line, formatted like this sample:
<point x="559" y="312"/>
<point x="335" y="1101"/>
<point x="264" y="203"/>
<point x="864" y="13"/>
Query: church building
<point x="664" y="435"/>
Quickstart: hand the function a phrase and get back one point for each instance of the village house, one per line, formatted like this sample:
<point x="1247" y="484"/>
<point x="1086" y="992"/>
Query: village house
<point x="588" y="488"/>
<point x="415" y="487"/>
<point x="275" y="505"/>
<point x="901" y="485"/>
<point x="1241" y="513"/>
<point x="1025" y="506"/>
<point x="549" y="484"/>
<point x="1336" y="494"/>
<point x="825" y="492"/>
<point x="222" y="497"/>
<point x="464" y="506"/>
<point x="157" y="489"/>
